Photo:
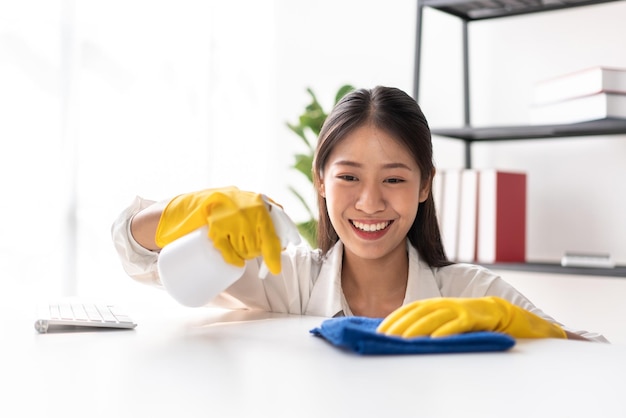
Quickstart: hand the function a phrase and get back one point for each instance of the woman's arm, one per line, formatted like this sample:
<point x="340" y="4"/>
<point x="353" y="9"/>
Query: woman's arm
<point x="144" y="224"/>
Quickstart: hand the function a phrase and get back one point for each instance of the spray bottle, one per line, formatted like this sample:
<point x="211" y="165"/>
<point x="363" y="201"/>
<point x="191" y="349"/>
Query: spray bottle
<point x="193" y="271"/>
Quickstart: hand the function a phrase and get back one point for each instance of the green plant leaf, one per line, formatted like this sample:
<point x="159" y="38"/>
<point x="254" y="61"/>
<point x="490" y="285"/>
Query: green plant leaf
<point x="299" y="130"/>
<point x="308" y="230"/>
<point x="313" y="120"/>
<point x="304" y="164"/>
<point x="314" y="102"/>
<point x="343" y="90"/>
<point x="314" y="114"/>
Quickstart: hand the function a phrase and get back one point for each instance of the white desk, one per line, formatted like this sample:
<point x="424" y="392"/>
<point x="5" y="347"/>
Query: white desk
<point x="189" y="363"/>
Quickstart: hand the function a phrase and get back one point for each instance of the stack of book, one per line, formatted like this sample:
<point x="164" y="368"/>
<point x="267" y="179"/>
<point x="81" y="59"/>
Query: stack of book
<point x="590" y="94"/>
<point x="482" y="215"/>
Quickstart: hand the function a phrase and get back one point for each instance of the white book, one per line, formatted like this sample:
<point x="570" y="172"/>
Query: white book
<point x="581" y="109"/>
<point x="450" y="211"/>
<point x="437" y="193"/>
<point x="580" y="83"/>
<point x="468" y="211"/>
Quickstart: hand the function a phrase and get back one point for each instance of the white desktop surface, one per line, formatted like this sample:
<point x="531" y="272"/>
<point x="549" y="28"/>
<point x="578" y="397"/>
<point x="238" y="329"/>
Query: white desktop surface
<point x="182" y="362"/>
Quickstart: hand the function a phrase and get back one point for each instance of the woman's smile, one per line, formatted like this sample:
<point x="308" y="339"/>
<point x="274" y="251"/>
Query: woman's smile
<point x="370" y="229"/>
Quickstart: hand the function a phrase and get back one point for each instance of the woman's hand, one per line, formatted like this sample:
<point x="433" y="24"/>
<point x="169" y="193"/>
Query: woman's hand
<point x="239" y="224"/>
<point x="439" y="317"/>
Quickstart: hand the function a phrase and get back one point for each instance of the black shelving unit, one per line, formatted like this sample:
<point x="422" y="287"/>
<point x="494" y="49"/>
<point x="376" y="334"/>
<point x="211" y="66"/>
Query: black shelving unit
<point x="618" y="271"/>
<point x="470" y="10"/>
<point x="495" y="133"/>
<point x="475" y="10"/>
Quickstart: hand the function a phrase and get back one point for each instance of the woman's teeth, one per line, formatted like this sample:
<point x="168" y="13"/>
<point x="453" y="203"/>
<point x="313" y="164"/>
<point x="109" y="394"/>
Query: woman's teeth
<point x="371" y="227"/>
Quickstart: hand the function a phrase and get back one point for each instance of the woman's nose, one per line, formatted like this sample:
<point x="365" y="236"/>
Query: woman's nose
<point x="370" y="199"/>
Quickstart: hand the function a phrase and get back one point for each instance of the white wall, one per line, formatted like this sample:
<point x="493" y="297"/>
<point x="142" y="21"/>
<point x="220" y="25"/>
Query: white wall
<point x="102" y="101"/>
<point x="325" y="44"/>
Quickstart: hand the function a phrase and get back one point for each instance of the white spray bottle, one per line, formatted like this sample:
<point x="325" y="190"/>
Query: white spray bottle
<point x="193" y="271"/>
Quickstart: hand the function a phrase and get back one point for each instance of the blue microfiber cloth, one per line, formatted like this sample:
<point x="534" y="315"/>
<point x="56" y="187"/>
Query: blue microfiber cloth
<point x="358" y="334"/>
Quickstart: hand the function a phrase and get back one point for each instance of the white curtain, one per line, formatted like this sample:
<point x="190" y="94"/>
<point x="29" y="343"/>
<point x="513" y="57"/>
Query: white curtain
<point x="100" y="101"/>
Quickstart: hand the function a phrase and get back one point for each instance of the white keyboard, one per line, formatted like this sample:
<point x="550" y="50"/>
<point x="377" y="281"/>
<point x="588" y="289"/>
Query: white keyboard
<point x="78" y="314"/>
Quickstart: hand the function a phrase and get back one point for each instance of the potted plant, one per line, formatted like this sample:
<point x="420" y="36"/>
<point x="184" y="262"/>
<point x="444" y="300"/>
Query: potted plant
<point x="308" y="129"/>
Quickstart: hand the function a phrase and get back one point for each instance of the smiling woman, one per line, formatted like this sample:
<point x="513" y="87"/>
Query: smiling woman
<point x="380" y="247"/>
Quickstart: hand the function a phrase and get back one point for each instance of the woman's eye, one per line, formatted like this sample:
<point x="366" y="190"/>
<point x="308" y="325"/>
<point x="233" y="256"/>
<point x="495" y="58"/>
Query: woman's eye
<point x="347" y="177"/>
<point x="394" y="181"/>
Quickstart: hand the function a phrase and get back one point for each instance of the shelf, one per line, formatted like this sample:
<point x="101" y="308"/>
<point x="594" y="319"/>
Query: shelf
<point x="472" y="10"/>
<point x="618" y="271"/>
<point x="596" y="127"/>
<point x="469" y="10"/>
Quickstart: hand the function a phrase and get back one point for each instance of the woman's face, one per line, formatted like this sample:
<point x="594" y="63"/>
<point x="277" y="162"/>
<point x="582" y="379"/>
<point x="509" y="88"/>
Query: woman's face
<point x="372" y="187"/>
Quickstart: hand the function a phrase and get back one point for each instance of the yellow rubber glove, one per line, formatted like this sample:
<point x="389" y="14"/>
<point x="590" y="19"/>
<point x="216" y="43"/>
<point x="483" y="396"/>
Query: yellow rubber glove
<point x="439" y="317"/>
<point x="239" y="224"/>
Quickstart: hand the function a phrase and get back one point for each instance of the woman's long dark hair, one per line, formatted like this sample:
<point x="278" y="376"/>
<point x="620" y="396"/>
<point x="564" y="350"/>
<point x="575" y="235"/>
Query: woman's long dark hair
<point x="395" y="112"/>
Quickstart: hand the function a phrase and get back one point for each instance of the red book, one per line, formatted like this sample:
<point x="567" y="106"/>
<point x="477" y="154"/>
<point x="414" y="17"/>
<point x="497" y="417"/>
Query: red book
<point x="501" y="225"/>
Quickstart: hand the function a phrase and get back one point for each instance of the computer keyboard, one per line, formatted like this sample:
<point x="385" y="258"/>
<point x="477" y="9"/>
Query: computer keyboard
<point x="80" y="314"/>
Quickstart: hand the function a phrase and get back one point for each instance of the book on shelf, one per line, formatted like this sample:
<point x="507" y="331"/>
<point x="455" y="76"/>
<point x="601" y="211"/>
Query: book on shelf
<point x="585" y="82"/>
<point x="580" y="109"/>
<point x="482" y="215"/>
<point x="449" y="220"/>
<point x="468" y="212"/>
<point x="501" y="228"/>
<point x="437" y="192"/>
